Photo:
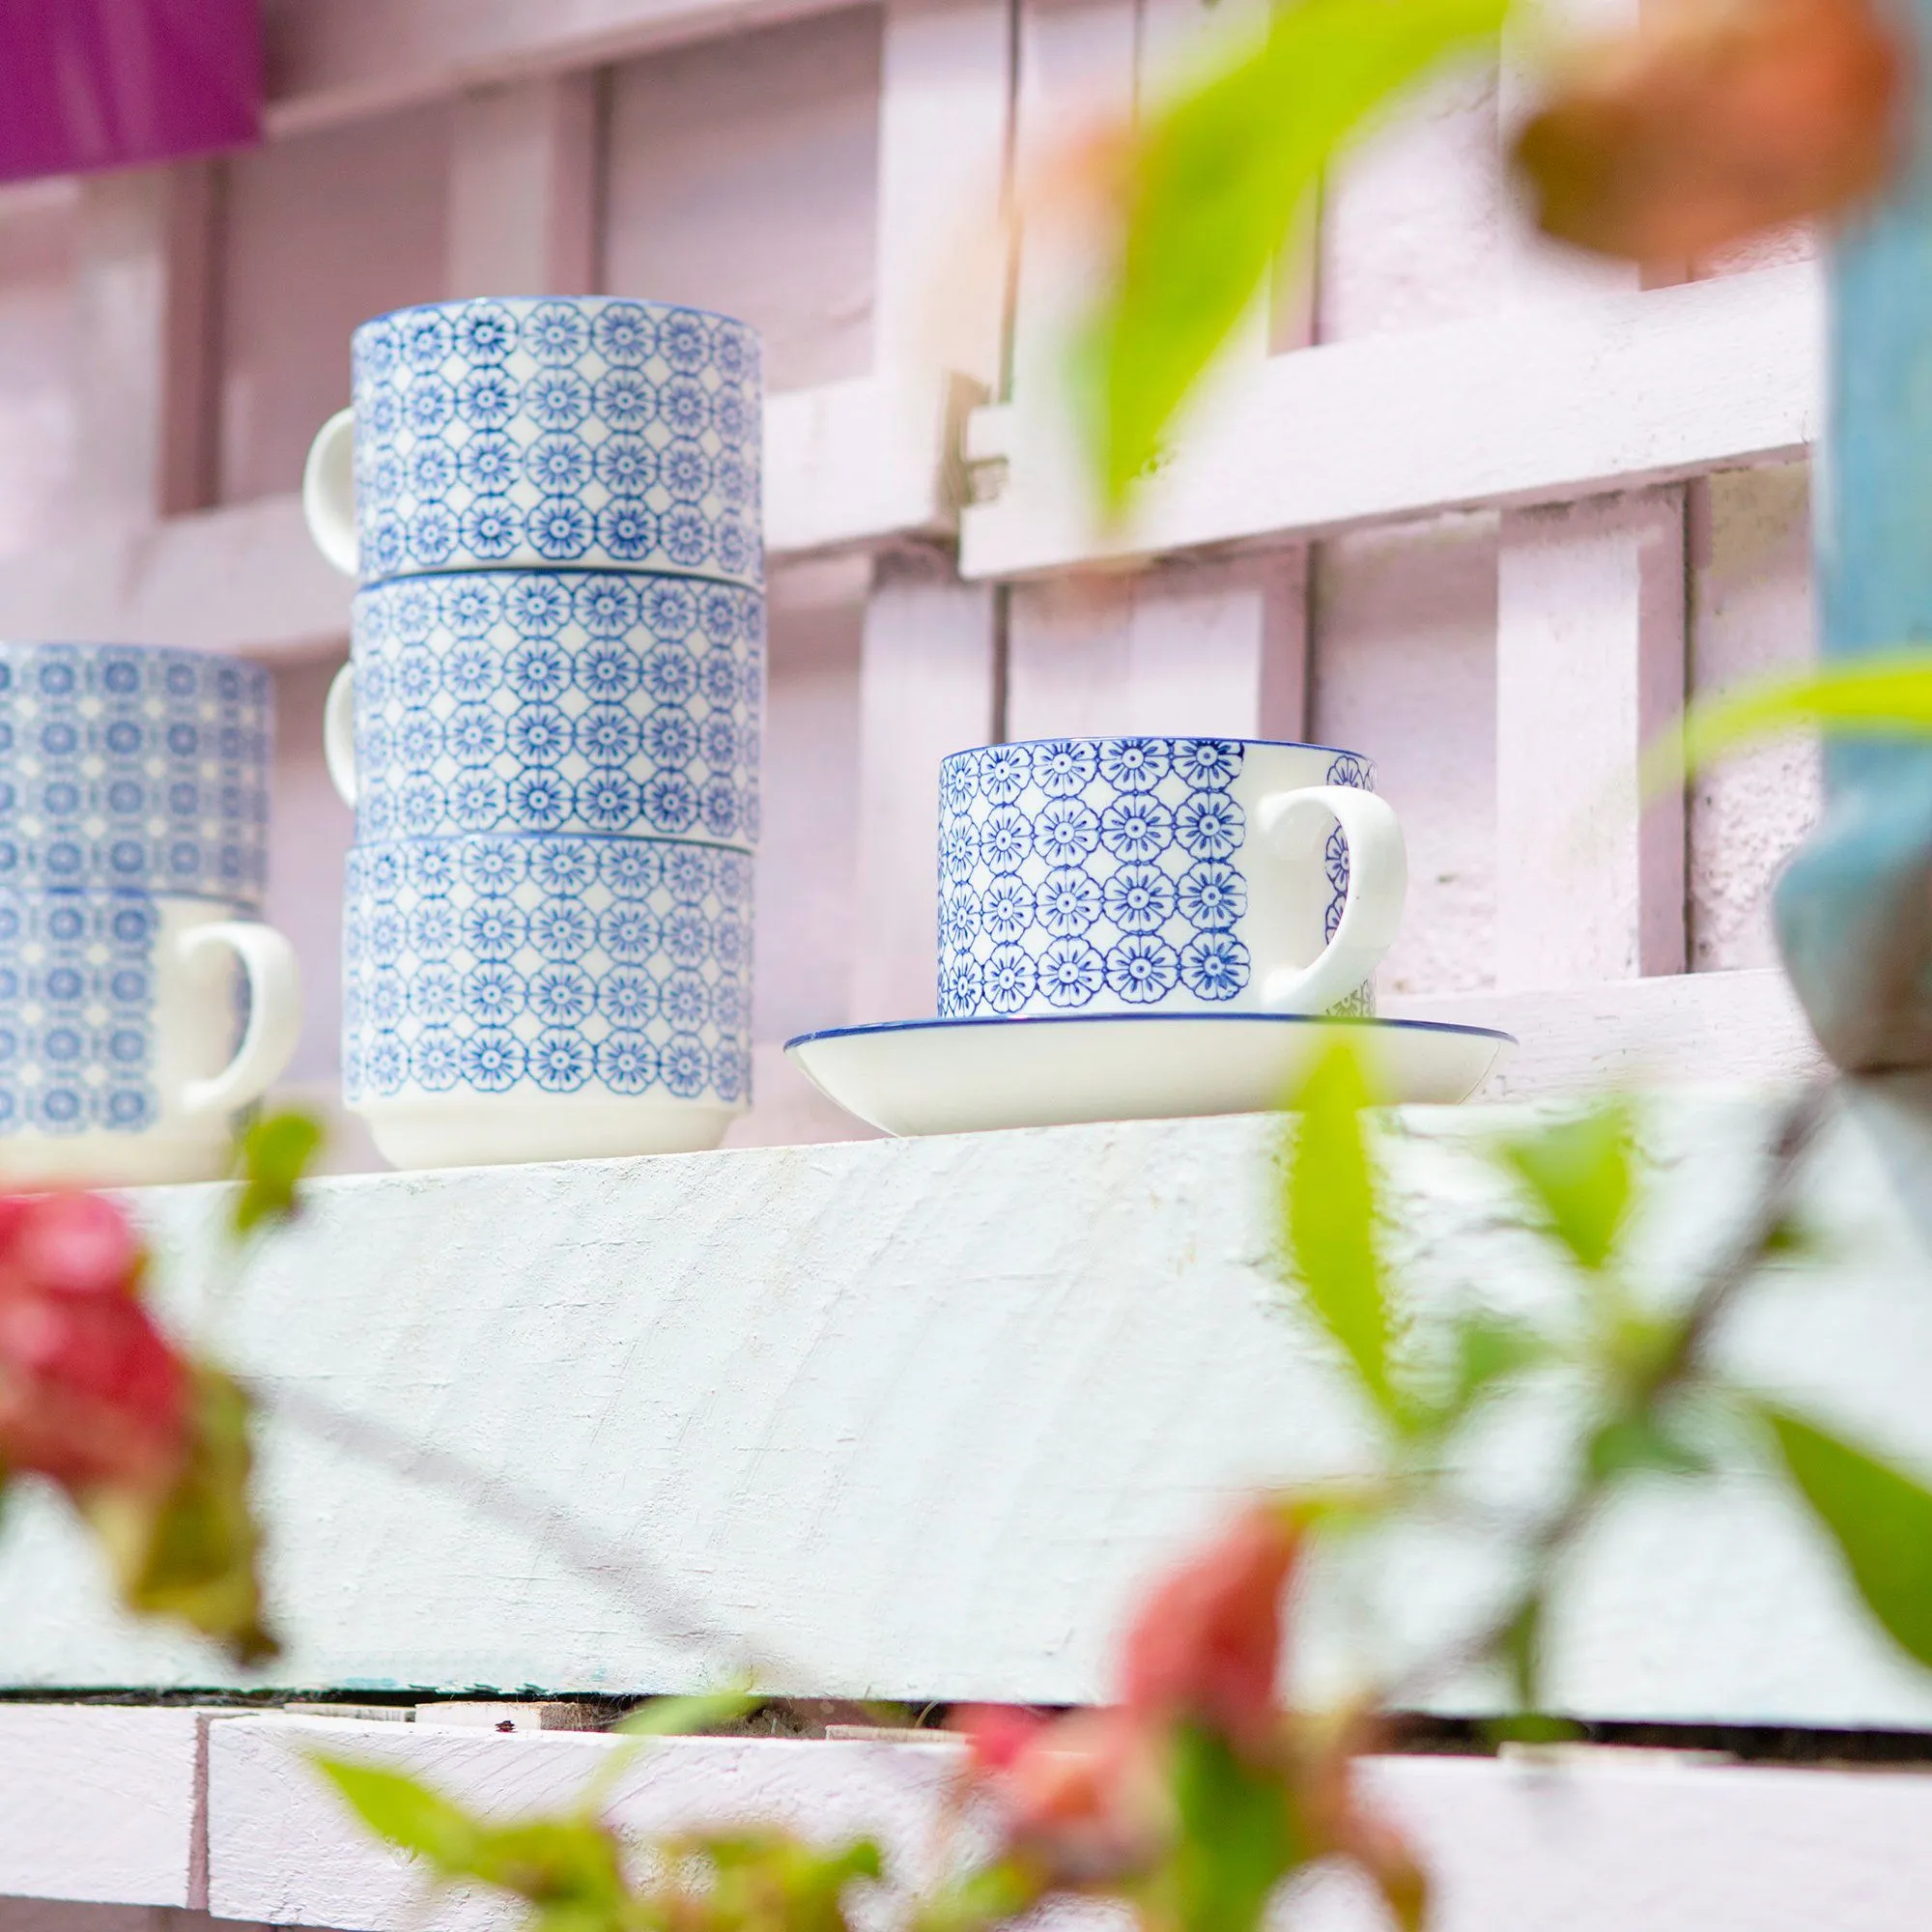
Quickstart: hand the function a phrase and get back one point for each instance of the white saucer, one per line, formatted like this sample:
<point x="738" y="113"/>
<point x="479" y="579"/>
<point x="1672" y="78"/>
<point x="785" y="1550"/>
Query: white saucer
<point x="960" y="1076"/>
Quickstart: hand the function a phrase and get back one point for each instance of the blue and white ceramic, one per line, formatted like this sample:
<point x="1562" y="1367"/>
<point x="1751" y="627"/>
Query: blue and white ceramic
<point x="548" y="701"/>
<point x="1161" y="875"/>
<point x="971" y="1075"/>
<point x="528" y="998"/>
<point x="123" y="1052"/>
<point x="132" y="765"/>
<point x="586" y="433"/>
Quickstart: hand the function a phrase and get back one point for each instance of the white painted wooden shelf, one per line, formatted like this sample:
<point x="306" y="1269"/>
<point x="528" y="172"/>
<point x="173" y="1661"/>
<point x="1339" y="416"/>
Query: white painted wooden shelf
<point x="918" y="1418"/>
<point x="226" y="1814"/>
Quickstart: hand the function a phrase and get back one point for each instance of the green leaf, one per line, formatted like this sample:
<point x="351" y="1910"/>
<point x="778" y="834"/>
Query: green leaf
<point x="1532" y="1727"/>
<point x="408" y="1814"/>
<point x="191" y="1552"/>
<point x="1489" y="1350"/>
<point x="275" y="1155"/>
<point x="1219" y="178"/>
<point x="988" y="1895"/>
<point x="1880" y="1517"/>
<point x="1628" y="1443"/>
<point x="678" y="1717"/>
<point x="1579" y="1171"/>
<point x="1235" y="1839"/>
<point x="1331" y="1210"/>
<point x="1887" y="695"/>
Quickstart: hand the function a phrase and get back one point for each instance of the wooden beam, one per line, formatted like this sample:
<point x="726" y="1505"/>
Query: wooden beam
<point x="331" y="61"/>
<point x="1590" y="612"/>
<point x="1538" y="405"/>
<point x="1588" y="1838"/>
<point x="522" y="189"/>
<point x="100" y="1804"/>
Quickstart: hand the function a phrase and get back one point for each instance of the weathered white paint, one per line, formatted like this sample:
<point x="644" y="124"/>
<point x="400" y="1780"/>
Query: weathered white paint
<point x="1750" y="614"/>
<point x="1694" y="1029"/>
<point x="1404" y="668"/>
<point x="926" y="688"/>
<point x="1530" y="406"/>
<point x="99" y="1804"/>
<point x="1590" y="604"/>
<point x="1209" y="648"/>
<point x="145" y="365"/>
<point x="1597" y="1841"/>
<point x="524" y="188"/>
<point x="918" y="1418"/>
<point x="341" y="61"/>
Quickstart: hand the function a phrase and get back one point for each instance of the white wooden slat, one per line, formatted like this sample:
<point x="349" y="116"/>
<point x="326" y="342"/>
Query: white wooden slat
<point x="1590" y="612"/>
<point x="918" y="1418"/>
<point x="1216" y="648"/>
<point x="1533" y="405"/>
<point x="145" y="365"/>
<point x="522" y="189"/>
<point x="849" y="465"/>
<point x="1594" y="1842"/>
<point x="926" y="687"/>
<point x="99" y="1804"/>
<point x="333" y="61"/>
<point x="1702" y="1028"/>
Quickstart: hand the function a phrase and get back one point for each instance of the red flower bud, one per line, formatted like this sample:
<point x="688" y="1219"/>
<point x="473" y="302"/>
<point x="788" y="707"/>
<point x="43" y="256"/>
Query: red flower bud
<point x="1207" y="1643"/>
<point x="91" y="1392"/>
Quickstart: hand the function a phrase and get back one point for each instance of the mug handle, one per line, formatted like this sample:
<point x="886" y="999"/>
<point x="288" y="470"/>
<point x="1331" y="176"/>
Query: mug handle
<point x="274" y="1014"/>
<point x="338" y="733"/>
<point x="1378" y="888"/>
<point x="329" y="492"/>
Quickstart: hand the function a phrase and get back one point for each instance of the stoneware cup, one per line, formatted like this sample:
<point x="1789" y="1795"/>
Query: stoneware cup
<point x="549" y="701"/>
<point x="515" y="998"/>
<point x="129" y="765"/>
<point x="589" y="433"/>
<point x="120" y="1016"/>
<point x="1162" y="875"/>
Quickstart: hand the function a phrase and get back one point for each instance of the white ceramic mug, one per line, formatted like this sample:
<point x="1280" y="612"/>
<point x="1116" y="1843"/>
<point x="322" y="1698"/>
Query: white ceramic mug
<point x="1154" y="875"/>
<point x="119" y="1012"/>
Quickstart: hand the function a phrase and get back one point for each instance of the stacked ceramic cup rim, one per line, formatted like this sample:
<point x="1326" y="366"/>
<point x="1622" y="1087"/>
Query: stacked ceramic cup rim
<point x="550" y="725"/>
<point x="142" y="1001"/>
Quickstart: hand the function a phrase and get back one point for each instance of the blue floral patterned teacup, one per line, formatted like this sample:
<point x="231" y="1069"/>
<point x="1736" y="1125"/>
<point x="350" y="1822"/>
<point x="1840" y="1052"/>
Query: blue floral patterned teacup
<point x="122" y="1054"/>
<point x="583" y="432"/>
<point x="134" y="766"/>
<point x="552" y="701"/>
<point x="529" y="998"/>
<point x="1161" y="875"/>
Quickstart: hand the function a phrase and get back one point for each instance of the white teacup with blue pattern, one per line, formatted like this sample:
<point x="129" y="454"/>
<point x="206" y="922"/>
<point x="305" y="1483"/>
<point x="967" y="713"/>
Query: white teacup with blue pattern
<point x="579" y="432"/>
<point x="1163" y="875"/>
<point x="543" y="702"/>
<point x="514" y="998"/>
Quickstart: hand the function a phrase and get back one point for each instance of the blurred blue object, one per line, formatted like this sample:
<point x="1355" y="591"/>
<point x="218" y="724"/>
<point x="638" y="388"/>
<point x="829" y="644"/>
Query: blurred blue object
<point x="91" y="84"/>
<point x="1854" y="910"/>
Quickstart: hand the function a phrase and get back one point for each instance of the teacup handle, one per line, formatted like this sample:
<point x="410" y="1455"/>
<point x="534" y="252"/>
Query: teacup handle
<point x="338" y="733"/>
<point x="329" y="492"/>
<point x="274" y="1014"/>
<point x="1378" y="888"/>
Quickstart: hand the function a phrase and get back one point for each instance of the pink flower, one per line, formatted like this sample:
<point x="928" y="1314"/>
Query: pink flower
<point x="1207" y="1642"/>
<point x="91" y="1392"/>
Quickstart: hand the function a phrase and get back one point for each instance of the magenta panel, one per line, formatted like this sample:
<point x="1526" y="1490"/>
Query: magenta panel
<point x="89" y="84"/>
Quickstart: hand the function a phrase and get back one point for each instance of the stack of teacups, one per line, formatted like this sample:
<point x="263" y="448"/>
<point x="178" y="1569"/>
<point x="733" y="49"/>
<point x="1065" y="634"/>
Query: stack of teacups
<point x="549" y="724"/>
<point x="133" y="823"/>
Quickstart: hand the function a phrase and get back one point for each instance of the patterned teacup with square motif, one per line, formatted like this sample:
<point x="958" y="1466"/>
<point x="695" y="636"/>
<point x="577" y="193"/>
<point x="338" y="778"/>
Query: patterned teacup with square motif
<point x="515" y="997"/>
<point x="134" y="766"/>
<point x="1161" y="875"/>
<point x="602" y="703"/>
<point x="581" y="432"/>
<point x="124" y="1054"/>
